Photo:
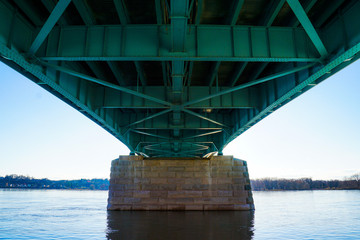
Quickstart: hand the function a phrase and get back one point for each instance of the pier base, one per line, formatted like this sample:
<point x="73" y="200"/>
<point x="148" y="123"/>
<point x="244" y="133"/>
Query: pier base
<point x="216" y="183"/>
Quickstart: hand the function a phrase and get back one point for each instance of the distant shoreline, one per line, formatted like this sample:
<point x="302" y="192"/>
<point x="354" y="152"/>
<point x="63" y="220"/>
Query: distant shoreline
<point x="23" y="182"/>
<point x="265" y="184"/>
<point x="76" y="189"/>
<point x="273" y="184"/>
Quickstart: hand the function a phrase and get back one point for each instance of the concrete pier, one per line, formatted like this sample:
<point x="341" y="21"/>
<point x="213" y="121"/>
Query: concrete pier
<point x="216" y="183"/>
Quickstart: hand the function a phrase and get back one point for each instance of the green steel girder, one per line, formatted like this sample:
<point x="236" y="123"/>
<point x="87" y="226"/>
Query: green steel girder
<point x="231" y="19"/>
<point x="309" y="28"/>
<point x="251" y="83"/>
<point x="110" y="98"/>
<point x="239" y="69"/>
<point x="28" y="9"/>
<point x="162" y="121"/>
<point x="89" y="20"/>
<point x="235" y="11"/>
<point x="49" y="24"/>
<point x="120" y="43"/>
<point x="271" y="13"/>
<point x="179" y="10"/>
<point x="124" y="20"/>
<point x="104" y="83"/>
<point x="267" y="20"/>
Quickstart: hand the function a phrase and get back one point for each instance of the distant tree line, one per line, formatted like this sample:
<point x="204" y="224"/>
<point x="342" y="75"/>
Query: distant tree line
<point x="264" y="184"/>
<point x="19" y="181"/>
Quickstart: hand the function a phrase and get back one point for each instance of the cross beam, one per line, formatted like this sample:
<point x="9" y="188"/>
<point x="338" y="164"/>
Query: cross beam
<point x="49" y="24"/>
<point x="238" y="43"/>
<point x="309" y="28"/>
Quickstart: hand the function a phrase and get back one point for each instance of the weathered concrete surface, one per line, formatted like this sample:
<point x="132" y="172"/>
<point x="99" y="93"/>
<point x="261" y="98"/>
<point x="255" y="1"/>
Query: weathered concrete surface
<point x="216" y="183"/>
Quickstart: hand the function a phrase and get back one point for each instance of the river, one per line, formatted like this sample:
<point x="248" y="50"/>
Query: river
<point x="70" y="214"/>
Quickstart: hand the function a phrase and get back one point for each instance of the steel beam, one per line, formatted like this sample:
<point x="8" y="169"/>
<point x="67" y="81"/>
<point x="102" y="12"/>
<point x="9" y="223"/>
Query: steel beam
<point x="110" y="98"/>
<point x="308" y="5"/>
<point x="27" y="7"/>
<point x="252" y="83"/>
<point x="148" y="134"/>
<point x="203" y="117"/>
<point x="309" y="28"/>
<point x="232" y="17"/>
<point x="267" y="21"/>
<point x="104" y="83"/>
<point x="149" y="117"/>
<point x="49" y="24"/>
<point x="203" y="134"/>
<point x="124" y="20"/>
<point x="235" y="11"/>
<point x="122" y="12"/>
<point x="119" y="76"/>
<point x="159" y="21"/>
<point x="213" y="73"/>
<point x="239" y="43"/>
<point x="83" y="10"/>
<point x="239" y="69"/>
<point x="272" y="12"/>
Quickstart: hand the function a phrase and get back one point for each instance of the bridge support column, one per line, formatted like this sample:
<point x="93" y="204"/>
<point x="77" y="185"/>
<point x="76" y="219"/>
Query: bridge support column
<point x="216" y="183"/>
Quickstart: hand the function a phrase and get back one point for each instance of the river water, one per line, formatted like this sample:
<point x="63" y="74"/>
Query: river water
<point x="67" y="214"/>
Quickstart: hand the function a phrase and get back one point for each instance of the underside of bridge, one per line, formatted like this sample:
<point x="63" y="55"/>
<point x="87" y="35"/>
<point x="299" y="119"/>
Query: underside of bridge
<point x="178" y="77"/>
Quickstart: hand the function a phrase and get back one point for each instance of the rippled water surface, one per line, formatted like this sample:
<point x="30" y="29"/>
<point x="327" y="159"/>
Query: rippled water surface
<point x="57" y="214"/>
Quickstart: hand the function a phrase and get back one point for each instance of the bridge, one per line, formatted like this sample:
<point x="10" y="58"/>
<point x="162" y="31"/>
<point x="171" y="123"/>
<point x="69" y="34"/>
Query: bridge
<point x="179" y="78"/>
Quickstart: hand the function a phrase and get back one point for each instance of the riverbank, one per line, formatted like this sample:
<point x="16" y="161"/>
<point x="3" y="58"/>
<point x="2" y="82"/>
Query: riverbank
<point x="264" y="184"/>
<point x="273" y="184"/>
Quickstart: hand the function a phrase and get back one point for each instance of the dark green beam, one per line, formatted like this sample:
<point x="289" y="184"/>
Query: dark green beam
<point x="323" y="16"/>
<point x="149" y="117"/>
<point x="309" y="28"/>
<point x="84" y="12"/>
<point x="110" y="98"/>
<point x="199" y="8"/>
<point x="49" y="24"/>
<point x="234" y="12"/>
<point x="149" y="134"/>
<point x="119" y="75"/>
<point x="27" y="7"/>
<point x="89" y="20"/>
<point x="267" y="21"/>
<point x="203" y="117"/>
<point x="231" y="19"/>
<point x="159" y="20"/>
<point x="124" y="20"/>
<point x="272" y="12"/>
<point x="203" y="134"/>
<point x="104" y="83"/>
<point x="141" y="73"/>
<point x="81" y="43"/>
<point x="50" y="5"/>
<point x="235" y="76"/>
<point x="307" y="7"/>
<point x="122" y="12"/>
<point x="252" y="83"/>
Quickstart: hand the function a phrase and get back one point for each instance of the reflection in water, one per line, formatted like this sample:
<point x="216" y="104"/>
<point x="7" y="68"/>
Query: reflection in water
<point x="180" y="225"/>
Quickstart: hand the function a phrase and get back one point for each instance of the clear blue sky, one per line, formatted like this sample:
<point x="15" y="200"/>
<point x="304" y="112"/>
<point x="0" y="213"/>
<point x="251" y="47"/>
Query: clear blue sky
<point x="316" y="135"/>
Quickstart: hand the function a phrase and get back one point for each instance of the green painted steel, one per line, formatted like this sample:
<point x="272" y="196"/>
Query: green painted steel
<point x="49" y="24"/>
<point x="175" y="77"/>
<point x="121" y="43"/>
